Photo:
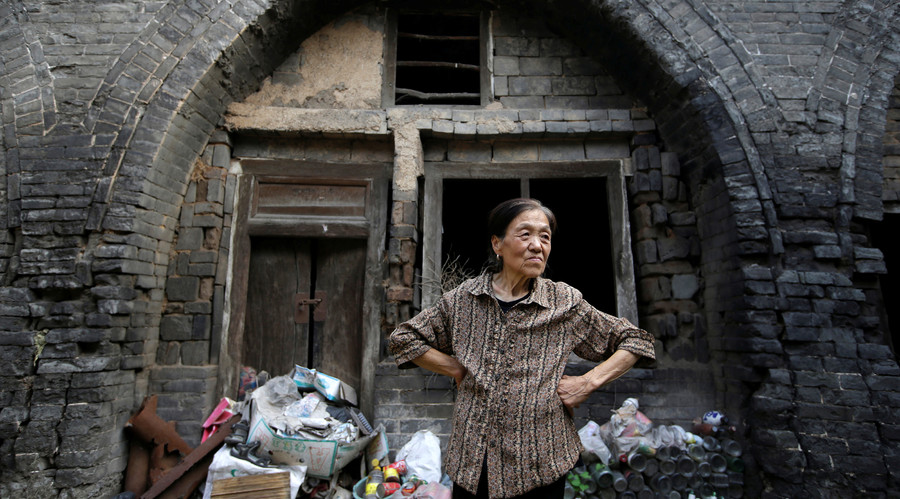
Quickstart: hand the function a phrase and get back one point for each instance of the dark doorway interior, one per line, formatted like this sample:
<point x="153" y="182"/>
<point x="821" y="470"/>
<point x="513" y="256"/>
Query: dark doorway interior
<point x="581" y="253"/>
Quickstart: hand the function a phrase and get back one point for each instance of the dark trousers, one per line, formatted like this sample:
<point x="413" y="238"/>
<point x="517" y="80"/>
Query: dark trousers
<point x="553" y="491"/>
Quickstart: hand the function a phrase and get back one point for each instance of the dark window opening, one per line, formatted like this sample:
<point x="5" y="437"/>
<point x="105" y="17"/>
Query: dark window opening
<point x="465" y="242"/>
<point x="438" y="59"/>
<point x="883" y="239"/>
<point x="581" y="254"/>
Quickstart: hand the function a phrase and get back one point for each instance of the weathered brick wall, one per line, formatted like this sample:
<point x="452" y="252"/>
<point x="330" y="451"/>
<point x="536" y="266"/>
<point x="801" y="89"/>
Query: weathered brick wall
<point x="776" y="111"/>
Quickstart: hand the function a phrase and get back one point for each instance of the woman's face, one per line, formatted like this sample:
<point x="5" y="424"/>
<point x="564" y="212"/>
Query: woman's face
<point x="526" y="245"/>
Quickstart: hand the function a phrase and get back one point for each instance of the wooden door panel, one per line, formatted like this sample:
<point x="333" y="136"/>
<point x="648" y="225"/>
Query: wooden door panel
<point x="279" y="269"/>
<point x="340" y="273"/>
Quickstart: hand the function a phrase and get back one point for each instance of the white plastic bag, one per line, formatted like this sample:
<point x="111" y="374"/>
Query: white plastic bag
<point x="224" y="465"/>
<point x="594" y="448"/>
<point x="423" y="456"/>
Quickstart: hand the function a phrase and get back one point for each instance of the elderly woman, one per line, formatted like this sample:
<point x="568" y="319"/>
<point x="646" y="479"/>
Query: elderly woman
<point x="505" y="337"/>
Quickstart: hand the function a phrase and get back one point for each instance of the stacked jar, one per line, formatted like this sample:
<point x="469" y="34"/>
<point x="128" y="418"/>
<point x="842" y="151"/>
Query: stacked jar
<point x="709" y="468"/>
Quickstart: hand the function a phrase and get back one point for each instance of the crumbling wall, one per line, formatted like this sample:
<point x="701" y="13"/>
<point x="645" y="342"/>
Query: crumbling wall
<point x="339" y="67"/>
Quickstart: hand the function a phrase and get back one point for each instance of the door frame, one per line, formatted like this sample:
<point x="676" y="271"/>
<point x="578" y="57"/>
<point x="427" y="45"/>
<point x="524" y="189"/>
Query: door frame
<point x="376" y="177"/>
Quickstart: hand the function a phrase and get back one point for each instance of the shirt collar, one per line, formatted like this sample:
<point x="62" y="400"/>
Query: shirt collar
<point x="538" y="293"/>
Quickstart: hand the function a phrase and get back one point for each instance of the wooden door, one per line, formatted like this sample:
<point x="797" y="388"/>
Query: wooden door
<point x="284" y="275"/>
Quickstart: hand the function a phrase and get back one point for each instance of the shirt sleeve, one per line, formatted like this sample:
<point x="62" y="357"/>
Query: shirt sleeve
<point x="429" y="329"/>
<point x="600" y="334"/>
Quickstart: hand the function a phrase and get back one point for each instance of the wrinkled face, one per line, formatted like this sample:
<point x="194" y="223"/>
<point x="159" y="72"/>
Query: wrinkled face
<point x="526" y="245"/>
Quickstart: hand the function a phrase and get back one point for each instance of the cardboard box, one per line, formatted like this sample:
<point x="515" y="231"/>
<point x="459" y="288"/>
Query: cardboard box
<point x="279" y="437"/>
<point x="323" y="458"/>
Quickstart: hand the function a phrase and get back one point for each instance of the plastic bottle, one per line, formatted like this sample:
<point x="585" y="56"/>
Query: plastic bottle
<point x="376" y="477"/>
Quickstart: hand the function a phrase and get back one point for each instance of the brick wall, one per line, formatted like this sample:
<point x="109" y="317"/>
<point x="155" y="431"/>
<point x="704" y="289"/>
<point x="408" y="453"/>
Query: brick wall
<point x="776" y="112"/>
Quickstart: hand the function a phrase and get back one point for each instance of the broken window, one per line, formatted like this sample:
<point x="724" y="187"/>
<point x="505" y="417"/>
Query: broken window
<point x="592" y="246"/>
<point x="437" y="58"/>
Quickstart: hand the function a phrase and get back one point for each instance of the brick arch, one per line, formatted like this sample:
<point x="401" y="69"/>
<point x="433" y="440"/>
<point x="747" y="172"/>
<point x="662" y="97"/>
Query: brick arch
<point x="199" y="68"/>
<point x="196" y="73"/>
<point x="170" y="117"/>
<point x="699" y="117"/>
<point x="851" y="91"/>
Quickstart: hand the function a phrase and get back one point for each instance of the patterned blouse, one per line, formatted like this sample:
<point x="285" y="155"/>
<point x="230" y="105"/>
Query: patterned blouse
<point x="507" y="410"/>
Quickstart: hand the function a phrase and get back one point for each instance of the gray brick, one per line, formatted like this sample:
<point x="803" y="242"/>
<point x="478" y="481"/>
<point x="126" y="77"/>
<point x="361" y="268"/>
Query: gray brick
<point x="529" y="85"/>
<point x="540" y="66"/>
<point x="182" y="288"/>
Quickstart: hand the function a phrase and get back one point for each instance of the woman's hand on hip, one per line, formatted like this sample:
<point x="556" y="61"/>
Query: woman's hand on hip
<point x="573" y="390"/>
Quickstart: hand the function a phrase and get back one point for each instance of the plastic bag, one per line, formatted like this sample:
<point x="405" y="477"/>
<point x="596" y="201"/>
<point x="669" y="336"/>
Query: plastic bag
<point x="224" y="465"/>
<point x="432" y="490"/>
<point x="594" y="448"/>
<point x="628" y="421"/>
<point x="423" y="456"/>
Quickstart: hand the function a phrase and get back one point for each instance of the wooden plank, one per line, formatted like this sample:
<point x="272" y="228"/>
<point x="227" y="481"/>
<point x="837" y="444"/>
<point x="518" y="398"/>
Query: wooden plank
<point x="485" y="78"/>
<point x="432" y="96"/>
<point x="231" y="345"/>
<point x="311" y="199"/>
<point x="340" y="273"/>
<point x="299" y="226"/>
<point x="279" y="268"/>
<point x="547" y="169"/>
<point x="277" y="169"/>
<point x="390" y="59"/>
<point x="266" y="486"/>
<point x="373" y="304"/>
<point x="438" y="64"/>
<point x="623" y="260"/>
<point x="431" y="241"/>
<point x="418" y="36"/>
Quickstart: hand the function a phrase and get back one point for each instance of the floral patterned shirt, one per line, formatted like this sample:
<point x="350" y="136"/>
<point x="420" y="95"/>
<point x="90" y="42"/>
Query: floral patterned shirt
<point x="507" y="410"/>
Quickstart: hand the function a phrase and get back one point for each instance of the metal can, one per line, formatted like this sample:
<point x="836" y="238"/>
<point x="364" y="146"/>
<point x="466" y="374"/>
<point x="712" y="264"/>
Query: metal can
<point x="391" y="474"/>
<point x="409" y="488"/>
<point x="412" y="483"/>
<point x="387" y="488"/>
<point x="400" y="466"/>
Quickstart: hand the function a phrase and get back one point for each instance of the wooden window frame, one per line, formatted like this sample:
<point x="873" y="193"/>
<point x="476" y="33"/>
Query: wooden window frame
<point x="388" y="95"/>
<point x="614" y="171"/>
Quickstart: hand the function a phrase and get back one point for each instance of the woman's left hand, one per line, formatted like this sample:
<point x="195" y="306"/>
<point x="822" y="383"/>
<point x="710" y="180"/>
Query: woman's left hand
<point x="573" y="390"/>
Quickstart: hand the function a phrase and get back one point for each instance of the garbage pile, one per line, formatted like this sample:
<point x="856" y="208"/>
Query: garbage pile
<point x="299" y="434"/>
<point x="629" y="457"/>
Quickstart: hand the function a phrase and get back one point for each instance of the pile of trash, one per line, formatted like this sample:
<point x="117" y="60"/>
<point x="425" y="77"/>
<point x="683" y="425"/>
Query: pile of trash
<point x="629" y="457"/>
<point x="299" y="434"/>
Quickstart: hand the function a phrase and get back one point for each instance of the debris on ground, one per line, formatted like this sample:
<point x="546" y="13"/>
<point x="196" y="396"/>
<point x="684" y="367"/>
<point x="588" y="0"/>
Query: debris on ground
<point x="630" y="457"/>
